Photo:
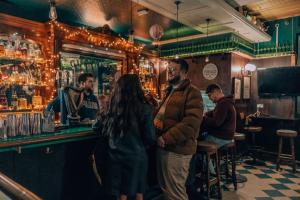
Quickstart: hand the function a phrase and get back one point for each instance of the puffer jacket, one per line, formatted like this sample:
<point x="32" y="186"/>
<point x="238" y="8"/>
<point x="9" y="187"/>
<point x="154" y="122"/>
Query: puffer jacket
<point x="182" y="119"/>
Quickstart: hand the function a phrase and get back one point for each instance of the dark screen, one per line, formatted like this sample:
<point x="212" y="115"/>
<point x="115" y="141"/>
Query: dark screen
<point x="279" y="81"/>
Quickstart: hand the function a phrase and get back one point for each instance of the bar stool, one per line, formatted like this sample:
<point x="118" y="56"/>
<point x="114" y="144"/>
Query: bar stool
<point x="288" y="134"/>
<point x="209" y="149"/>
<point x="253" y="130"/>
<point x="238" y="138"/>
<point x="225" y="150"/>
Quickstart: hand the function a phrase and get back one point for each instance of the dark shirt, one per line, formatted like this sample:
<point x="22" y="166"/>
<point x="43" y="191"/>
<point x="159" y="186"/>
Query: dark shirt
<point x="221" y="122"/>
<point x="89" y="107"/>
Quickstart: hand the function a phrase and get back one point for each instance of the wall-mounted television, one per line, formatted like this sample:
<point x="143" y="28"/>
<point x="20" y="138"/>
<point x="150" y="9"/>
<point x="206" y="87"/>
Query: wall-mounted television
<point x="281" y="81"/>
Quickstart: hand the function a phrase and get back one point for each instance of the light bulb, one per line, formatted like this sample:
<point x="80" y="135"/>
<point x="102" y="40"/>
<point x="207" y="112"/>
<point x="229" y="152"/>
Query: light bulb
<point x="251" y="67"/>
<point x="176" y="56"/>
<point x="206" y="59"/>
<point x="52" y="12"/>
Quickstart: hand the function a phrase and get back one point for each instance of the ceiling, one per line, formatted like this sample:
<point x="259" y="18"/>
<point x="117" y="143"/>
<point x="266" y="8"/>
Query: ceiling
<point x="224" y="18"/>
<point x="95" y="13"/>
<point x="275" y="9"/>
<point x="116" y="13"/>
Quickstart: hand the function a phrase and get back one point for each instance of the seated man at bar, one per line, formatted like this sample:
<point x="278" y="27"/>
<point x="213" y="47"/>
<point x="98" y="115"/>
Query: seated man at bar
<point x="219" y="123"/>
<point x="89" y="105"/>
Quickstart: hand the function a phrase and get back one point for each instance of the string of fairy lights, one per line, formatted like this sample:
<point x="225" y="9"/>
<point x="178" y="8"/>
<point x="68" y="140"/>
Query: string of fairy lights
<point x="96" y="39"/>
<point x="89" y="37"/>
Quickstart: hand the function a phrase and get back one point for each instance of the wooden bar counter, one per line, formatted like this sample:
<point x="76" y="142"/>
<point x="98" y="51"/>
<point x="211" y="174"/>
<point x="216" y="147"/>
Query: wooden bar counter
<point x="54" y="165"/>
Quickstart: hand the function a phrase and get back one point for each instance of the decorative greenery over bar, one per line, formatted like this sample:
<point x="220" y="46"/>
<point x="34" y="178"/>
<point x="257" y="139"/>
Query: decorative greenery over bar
<point x="224" y="44"/>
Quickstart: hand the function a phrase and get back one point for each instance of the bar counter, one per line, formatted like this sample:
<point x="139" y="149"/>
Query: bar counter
<point x="52" y="165"/>
<point x="46" y="139"/>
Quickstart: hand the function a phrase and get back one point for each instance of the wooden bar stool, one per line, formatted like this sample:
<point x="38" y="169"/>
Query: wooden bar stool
<point x="210" y="150"/>
<point x="288" y="134"/>
<point x="254" y="130"/>
<point x="225" y="150"/>
<point x="239" y="138"/>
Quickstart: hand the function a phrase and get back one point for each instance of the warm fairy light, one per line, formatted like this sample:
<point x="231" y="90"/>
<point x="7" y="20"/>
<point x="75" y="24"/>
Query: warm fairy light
<point x="96" y="39"/>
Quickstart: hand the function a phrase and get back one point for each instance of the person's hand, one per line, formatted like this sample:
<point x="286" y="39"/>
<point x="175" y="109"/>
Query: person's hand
<point x="161" y="142"/>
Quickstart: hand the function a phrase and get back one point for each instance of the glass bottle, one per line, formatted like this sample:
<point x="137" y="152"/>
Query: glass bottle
<point x="14" y="101"/>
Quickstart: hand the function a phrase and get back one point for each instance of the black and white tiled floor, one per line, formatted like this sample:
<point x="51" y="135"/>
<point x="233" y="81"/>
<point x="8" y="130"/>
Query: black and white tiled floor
<point x="265" y="183"/>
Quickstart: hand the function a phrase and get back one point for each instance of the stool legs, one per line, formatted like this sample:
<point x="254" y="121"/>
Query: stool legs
<point x="253" y="145"/>
<point x="218" y="176"/>
<point x="288" y="157"/>
<point x="208" y="175"/>
<point x="226" y="167"/>
<point x="233" y="168"/>
<point x="208" y="180"/>
<point x="279" y="153"/>
<point x="293" y="154"/>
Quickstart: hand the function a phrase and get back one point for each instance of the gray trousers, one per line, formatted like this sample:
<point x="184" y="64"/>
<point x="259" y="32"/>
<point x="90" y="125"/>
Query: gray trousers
<point x="172" y="171"/>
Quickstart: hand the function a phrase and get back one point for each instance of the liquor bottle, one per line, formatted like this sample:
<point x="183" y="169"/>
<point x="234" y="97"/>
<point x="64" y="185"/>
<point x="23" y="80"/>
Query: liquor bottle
<point x="24" y="50"/>
<point x="37" y="101"/>
<point x="2" y="48"/>
<point x="14" y="101"/>
<point x="22" y="103"/>
<point x="3" y="100"/>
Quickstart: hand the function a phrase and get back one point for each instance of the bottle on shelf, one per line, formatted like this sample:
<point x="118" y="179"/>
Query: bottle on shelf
<point x="22" y="103"/>
<point x="14" y="101"/>
<point x="37" y="101"/>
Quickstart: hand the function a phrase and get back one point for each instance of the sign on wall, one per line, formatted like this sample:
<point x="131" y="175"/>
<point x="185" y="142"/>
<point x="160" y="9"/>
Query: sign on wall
<point x="210" y="71"/>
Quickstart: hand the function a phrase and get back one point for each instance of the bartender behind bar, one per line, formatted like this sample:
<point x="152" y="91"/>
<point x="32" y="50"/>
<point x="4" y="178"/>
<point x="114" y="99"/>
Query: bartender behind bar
<point x="89" y="107"/>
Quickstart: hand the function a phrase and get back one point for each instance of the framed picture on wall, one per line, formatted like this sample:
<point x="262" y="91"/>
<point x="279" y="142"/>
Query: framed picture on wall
<point x="246" y="87"/>
<point x="237" y="86"/>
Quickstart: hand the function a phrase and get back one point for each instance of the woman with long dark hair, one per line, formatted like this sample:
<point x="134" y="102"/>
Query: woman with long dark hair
<point x="130" y="131"/>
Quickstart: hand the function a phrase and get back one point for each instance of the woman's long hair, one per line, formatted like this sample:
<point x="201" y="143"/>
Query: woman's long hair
<point x="126" y="101"/>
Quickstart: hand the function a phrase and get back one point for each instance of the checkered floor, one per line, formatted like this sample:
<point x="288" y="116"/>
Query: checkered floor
<point x="265" y="183"/>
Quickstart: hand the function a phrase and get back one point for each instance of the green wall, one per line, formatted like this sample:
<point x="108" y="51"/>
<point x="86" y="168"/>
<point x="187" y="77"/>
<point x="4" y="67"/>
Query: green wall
<point x="285" y="35"/>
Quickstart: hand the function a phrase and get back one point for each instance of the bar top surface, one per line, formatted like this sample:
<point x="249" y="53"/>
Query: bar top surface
<point x="60" y="136"/>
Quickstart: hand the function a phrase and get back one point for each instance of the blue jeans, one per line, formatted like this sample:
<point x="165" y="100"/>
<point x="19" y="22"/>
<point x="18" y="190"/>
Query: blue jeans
<point x="219" y="142"/>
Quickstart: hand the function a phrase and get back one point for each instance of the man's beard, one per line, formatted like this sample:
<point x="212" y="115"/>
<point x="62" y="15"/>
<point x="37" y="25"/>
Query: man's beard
<point x="174" y="80"/>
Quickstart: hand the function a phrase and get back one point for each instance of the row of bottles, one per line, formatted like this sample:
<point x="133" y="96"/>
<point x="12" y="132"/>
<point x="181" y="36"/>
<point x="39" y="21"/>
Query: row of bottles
<point x="15" y="46"/>
<point x="20" y="102"/>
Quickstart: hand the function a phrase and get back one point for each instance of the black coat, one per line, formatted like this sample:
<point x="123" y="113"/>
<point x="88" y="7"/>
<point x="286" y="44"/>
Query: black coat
<point x="125" y="167"/>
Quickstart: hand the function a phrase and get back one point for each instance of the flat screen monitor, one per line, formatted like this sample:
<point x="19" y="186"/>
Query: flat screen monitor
<point x="281" y="81"/>
<point x="208" y="105"/>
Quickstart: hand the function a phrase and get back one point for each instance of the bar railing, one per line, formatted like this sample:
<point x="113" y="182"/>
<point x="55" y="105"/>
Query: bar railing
<point x="15" y="190"/>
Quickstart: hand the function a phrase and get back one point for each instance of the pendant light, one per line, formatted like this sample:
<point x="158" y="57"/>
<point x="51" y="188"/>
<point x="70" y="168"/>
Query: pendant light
<point x="177" y="42"/>
<point x="131" y="31"/>
<point x="52" y="11"/>
<point x="207" y="23"/>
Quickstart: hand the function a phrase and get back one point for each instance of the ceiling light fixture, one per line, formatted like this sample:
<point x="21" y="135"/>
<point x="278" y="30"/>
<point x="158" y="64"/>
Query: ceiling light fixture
<point x="131" y="31"/>
<point x="177" y="42"/>
<point x="207" y="23"/>
<point x="143" y="11"/>
<point x="52" y="11"/>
